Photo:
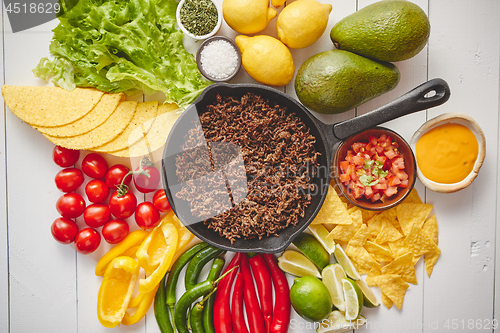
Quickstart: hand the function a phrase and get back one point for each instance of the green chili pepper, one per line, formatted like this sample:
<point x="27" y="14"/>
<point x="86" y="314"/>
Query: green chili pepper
<point x="197" y="263"/>
<point x="196" y="318"/>
<point x="208" y="319"/>
<point x="176" y="269"/>
<point x="184" y="303"/>
<point x="161" y="309"/>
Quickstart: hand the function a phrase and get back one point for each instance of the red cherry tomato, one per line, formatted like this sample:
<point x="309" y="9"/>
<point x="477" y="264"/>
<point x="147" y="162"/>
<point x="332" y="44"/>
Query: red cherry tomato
<point x="94" y="165"/>
<point x="115" y="175"/>
<point x="87" y="241"/>
<point x="64" y="230"/>
<point x="96" y="215"/>
<point x="96" y="190"/>
<point x="146" y="215"/>
<point x="69" y="179"/>
<point x="160" y="201"/>
<point x="65" y="157"/>
<point x="115" y="231"/>
<point x="122" y="207"/>
<point x="70" y="205"/>
<point x="145" y="184"/>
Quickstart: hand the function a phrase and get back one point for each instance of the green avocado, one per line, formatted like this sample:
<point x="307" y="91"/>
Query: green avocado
<point x="336" y="81"/>
<point x="388" y="30"/>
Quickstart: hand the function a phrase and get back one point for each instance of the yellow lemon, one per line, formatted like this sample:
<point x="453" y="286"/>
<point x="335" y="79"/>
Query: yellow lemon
<point x="277" y="3"/>
<point x="266" y="59"/>
<point x="302" y="23"/>
<point x="247" y="16"/>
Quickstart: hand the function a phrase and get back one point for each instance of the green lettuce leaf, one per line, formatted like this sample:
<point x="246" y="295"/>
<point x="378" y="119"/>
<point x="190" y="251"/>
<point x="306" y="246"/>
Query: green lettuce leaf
<point x="122" y="46"/>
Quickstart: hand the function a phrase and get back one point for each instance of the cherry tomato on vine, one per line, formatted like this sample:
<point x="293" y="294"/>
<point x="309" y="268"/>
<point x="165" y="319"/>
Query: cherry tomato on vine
<point x="160" y="201"/>
<point x="70" y="205"/>
<point x="122" y="206"/>
<point x="87" y="241"/>
<point x="96" y="190"/>
<point x="115" y="231"/>
<point x="64" y="230"/>
<point x="145" y="184"/>
<point x="94" y="165"/>
<point x="96" y="215"/>
<point x="65" y="157"/>
<point x="115" y="175"/>
<point x="69" y="179"/>
<point x="146" y="215"/>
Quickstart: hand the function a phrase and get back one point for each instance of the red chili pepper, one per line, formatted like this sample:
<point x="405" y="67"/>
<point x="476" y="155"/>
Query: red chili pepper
<point x="254" y="313"/>
<point x="222" y="305"/>
<point x="281" y="315"/>
<point x="264" y="287"/>
<point x="239" y="324"/>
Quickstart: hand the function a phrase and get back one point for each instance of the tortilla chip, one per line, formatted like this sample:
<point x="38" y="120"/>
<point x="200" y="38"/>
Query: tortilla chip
<point x="102" y="134"/>
<point x="375" y="225"/>
<point x="430" y="227"/>
<point x="99" y="114"/>
<point x="363" y="259"/>
<point x="430" y="260"/>
<point x="50" y="106"/>
<point x="403" y="266"/>
<point x="360" y="237"/>
<point x="413" y="197"/>
<point x="333" y="210"/>
<point x="410" y="214"/>
<point x="387" y="233"/>
<point x="386" y="301"/>
<point x="393" y="286"/>
<point x="156" y="136"/>
<point x="378" y="252"/>
<point x="398" y="247"/>
<point x="344" y="233"/>
<point x="419" y="243"/>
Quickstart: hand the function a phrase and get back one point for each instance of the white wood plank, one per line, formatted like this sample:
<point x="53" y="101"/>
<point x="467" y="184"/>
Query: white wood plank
<point x="4" y="265"/>
<point x="465" y="52"/>
<point x="42" y="272"/>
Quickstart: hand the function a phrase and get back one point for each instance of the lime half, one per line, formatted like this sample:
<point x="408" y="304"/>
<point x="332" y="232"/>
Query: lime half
<point x="297" y="264"/>
<point x="353" y="297"/>
<point x="369" y="298"/>
<point x="332" y="276"/>
<point x="320" y="232"/>
<point x="312" y="249"/>
<point x="346" y="263"/>
<point x="336" y="323"/>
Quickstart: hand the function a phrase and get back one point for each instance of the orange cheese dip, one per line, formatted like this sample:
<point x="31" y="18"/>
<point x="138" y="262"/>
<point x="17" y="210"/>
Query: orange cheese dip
<point x="447" y="153"/>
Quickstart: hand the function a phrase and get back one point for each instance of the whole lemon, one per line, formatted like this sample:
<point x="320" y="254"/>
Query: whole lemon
<point x="247" y="16"/>
<point x="302" y="23"/>
<point x="310" y="298"/>
<point x="266" y="59"/>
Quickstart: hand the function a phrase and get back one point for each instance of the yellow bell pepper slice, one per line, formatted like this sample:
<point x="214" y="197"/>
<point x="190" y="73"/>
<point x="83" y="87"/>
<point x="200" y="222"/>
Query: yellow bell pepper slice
<point x="185" y="236"/>
<point x="142" y="308"/>
<point x="116" y="290"/>
<point x="134" y="238"/>
<point x="163" y="248"/>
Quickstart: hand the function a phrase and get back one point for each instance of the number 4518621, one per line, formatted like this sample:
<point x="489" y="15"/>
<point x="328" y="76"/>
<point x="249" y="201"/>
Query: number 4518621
<point x="33" y="8"/>
<point x="471" y="324"/>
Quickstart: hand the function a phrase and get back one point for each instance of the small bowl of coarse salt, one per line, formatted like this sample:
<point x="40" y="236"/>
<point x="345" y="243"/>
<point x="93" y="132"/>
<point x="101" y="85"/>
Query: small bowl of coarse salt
<point x="218" y="59"/>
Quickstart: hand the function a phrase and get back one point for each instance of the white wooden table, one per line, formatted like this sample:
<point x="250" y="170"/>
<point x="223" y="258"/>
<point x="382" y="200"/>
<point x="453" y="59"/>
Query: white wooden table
<point x="48" y="287"/>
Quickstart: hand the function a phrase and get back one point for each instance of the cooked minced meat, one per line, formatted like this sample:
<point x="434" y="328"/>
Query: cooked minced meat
<point x="258" y="181"/>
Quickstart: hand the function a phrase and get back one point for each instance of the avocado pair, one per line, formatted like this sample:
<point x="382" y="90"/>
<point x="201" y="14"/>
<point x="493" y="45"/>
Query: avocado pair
<point x="367" y="41"/>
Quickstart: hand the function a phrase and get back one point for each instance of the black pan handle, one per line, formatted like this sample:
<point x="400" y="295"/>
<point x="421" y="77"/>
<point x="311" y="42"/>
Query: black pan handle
<point x="412" y="101"/>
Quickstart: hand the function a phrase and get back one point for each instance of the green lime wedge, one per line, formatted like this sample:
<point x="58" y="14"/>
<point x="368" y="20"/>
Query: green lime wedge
<point x="320" y="232"/>
<point x="336" y="323"/>
<point x="312" y="249"/>
<point x="369" y="298"/>
<point x="332" y="276"/>
<point x="353" y="297"/>
<point x="346" y="263"/>
<point x="295" y="263"/>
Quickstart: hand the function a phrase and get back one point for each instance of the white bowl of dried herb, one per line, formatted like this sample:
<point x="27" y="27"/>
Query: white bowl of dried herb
<point x="199" y="19"/>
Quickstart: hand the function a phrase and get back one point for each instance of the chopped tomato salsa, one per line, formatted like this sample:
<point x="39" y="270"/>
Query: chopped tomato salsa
<point x="374" y="169"/>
